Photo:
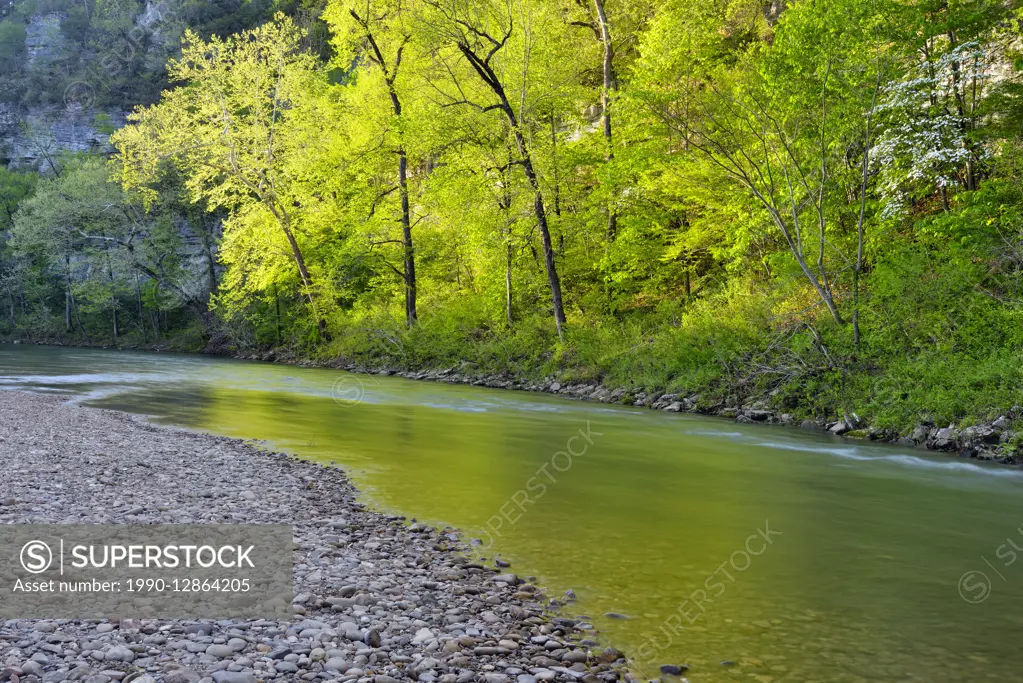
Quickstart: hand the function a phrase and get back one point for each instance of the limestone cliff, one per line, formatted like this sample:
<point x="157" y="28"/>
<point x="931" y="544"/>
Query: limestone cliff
<point x="36" y="136"/>
<point x="70" y="121"/>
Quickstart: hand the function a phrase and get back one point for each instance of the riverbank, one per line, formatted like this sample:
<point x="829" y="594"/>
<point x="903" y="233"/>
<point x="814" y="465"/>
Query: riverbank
<point x="994" y="435"/>
<point x="377" y="600"/>
<point x="999" y="440"/>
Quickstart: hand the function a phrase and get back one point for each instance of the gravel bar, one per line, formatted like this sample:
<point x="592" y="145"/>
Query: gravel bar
<point x="377" y="600"/>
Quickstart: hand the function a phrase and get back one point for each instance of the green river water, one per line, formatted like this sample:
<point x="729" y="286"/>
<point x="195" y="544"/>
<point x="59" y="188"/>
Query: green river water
<point x="884" y="564"/>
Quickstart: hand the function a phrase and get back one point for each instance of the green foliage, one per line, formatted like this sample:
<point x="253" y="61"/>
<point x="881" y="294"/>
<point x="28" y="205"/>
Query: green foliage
<point x="15" y="187"/>
<point x="820" y="209"/>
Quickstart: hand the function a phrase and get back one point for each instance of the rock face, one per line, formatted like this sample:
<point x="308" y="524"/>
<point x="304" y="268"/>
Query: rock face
<point x="42" y="36"/>
<point x="152" y="16"/>
<point x="32" y="138"/>
<point x="29" y="138"/>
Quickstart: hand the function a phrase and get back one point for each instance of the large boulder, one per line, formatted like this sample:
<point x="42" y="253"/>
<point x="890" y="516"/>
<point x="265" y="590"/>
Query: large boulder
<point x="943" y="439"/>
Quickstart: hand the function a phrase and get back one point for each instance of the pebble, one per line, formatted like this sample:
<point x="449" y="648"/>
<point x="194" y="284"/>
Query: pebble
<point x="220" y="651"/>
<point x="233" y="677"/>
<point x="673" y="669"/>
<point x="336" y="664"/>
<point x="375" y="600"/>
<point x="119" y="653"/>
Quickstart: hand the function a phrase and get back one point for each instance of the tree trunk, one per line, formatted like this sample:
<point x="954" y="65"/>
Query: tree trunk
<point x="78" y="318"/>
<point x="556" y="189"/>
<point x="113" y="294"/>
<point x="823" y="291"/>
<point x="277" y="313"/>
<point x="861" y="221"/>
<point x="67" y="306"/>
<point x="303" y="272"/>
<point x="545" y="234"/>
<point x="208" y="242"/>
<point x="67" y="292"/>
<point x="509" y="313"/>
<point x="491" y="79"/>
<point x="610" y="85"/>
<point x="141" y="309"/>
<point x="408" y="250"/>
<point x="505" y="204"/>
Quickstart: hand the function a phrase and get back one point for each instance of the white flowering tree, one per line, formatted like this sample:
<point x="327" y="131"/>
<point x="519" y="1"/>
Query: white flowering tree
<point x="929" y="144"/>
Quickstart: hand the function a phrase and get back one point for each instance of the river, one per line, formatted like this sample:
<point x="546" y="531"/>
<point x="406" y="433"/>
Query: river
<point x="746" y="552"/>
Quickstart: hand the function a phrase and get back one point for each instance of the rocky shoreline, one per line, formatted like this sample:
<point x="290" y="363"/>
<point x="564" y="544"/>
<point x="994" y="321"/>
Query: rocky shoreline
<point x="377" y="599"/>
<point x="1000" y="440"/>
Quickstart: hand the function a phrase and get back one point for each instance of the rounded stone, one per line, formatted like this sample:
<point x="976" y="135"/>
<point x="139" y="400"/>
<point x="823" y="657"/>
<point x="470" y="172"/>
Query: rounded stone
<point x="220" y="651"/>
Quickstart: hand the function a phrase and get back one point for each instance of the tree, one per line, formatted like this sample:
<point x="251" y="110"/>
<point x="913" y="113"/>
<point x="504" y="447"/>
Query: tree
<point x="935" y="110"/>
<point x="380" y="32"/>
<point x="102" y="249"/>
<point x="601" y="28"/>
<point x="52" y="224"/>
<point x="15" y="188"/>
<point x="780" y="123"/>
<point x="226" y="130"/>
<point x="480" y="30"/>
